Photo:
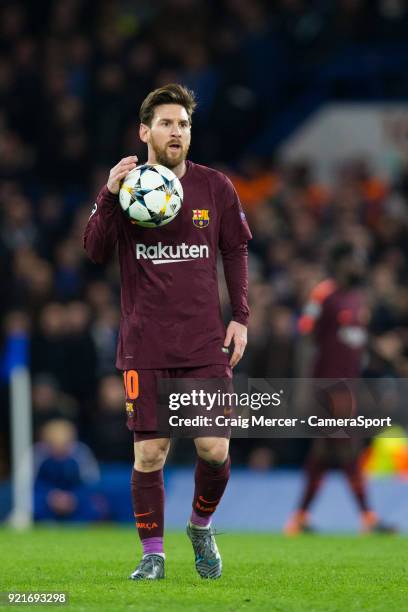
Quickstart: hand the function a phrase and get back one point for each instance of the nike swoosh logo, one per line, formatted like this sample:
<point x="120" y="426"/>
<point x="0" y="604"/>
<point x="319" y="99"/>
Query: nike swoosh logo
<point x="144" y="514"/>
<point x="157" y="262"/>
<point x="207" y="501"/>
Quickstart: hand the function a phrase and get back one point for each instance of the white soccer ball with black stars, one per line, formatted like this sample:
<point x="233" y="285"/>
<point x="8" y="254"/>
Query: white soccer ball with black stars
<point x="151" y="195"/>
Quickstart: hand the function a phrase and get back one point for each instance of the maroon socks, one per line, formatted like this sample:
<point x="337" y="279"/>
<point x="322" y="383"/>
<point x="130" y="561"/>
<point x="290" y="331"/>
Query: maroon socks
<point x="315" y="470"/>
<point x="148" y="500"/>
<point x="314" y="476"/>
<point x="210" y="483"/>
<point x="357" y="485"/>
<point x="148" y="507"/>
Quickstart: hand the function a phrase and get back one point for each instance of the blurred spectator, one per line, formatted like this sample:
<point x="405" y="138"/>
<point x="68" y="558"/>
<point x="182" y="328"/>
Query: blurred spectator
<point x="388" y="355"/>
<point x="49" y="403"/>
<point x="275" y="356"/>
<point x="256" y="183"/>
<point x="104" y="334"/>
<point x="80" y="357"/>
<point x="63" y="347"/>
<point x="110" y="439"/>
<point x="49" y="343"/>
<point x="68" y="277"/>
<point x="65" y="476"/>
<point x="18" y="229"/>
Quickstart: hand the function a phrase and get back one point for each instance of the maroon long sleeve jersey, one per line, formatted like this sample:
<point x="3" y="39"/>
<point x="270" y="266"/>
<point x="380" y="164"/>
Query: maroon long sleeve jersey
<point x="170" y="308"/>
<point x="337" y="316"/>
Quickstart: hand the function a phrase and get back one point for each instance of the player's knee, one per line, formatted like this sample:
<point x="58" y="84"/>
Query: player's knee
<point x="150" y="455"/>
<point x="213" y="450"/>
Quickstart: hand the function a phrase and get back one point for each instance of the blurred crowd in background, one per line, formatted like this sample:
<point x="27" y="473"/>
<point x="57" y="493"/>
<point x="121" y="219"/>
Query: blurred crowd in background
<point x="72" y="76"/>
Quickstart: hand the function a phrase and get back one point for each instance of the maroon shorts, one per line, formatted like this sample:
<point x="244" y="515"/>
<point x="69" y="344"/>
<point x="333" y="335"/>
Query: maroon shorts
<point x="141" y="391"/>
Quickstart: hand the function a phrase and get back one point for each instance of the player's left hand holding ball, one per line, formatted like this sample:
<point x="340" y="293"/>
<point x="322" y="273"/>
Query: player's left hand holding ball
<point x="237" y="333"/>
<point x="118" y="172"/>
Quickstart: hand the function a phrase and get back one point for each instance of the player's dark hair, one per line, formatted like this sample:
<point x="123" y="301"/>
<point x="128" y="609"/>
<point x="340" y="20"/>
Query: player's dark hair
<point x="354" y="275"/>
<point x="173" y="93"/>
<point x="337" y="254"/>
<point x="341" y="250"/>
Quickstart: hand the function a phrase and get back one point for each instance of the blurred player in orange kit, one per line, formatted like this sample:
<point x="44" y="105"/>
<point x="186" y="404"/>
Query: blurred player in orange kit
<point x="337" y="316"/>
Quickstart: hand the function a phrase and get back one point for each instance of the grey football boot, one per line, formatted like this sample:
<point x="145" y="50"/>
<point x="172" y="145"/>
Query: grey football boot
<point x="207" y="558"/>
<point x="151" y="567"/>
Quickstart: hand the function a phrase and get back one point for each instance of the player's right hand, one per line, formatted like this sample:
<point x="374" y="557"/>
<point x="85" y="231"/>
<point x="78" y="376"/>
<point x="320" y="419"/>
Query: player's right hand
<point x="118" y="172"/>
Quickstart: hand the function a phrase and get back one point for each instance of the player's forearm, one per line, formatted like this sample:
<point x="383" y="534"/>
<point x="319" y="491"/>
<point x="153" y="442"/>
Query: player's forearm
<point x="101" y="232"/>
<point x="235" y="262"/>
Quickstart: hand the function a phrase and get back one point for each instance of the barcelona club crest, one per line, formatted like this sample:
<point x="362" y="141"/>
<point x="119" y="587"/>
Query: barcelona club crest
<point x="201" y="218"/>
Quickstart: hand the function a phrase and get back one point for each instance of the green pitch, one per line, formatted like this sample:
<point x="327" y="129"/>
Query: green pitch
<point x="261" y="572"/>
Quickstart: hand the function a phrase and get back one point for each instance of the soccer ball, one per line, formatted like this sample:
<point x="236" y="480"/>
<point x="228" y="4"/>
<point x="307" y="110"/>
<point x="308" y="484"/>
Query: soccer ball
<point x="151" y="195"/>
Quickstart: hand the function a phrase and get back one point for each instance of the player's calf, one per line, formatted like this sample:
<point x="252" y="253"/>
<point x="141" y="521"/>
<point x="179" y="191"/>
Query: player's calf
<point x="210" y="483"/>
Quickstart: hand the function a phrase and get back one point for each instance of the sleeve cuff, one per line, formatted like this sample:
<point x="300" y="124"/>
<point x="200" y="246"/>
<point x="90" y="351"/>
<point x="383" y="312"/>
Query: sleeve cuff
<point x="243" y="319"/>
<point x="107" y="198"/>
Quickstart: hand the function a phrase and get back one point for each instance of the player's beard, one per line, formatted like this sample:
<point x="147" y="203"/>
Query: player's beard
<point x="163" y="158"/>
